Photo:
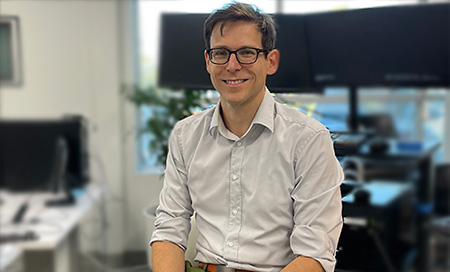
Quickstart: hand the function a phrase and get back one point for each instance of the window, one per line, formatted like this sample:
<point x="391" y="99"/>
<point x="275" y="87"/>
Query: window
<point x="10" y="62"/>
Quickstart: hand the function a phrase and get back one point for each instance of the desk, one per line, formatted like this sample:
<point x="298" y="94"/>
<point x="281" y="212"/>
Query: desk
<point x="56" y="246"/>
<point x="373" y="238"/>
<point x="421" y="157"/>
<point x="9" y="254"/>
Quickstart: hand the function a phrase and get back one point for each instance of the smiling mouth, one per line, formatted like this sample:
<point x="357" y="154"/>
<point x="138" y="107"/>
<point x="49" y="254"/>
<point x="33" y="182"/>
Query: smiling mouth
<point x="235" y="82"/>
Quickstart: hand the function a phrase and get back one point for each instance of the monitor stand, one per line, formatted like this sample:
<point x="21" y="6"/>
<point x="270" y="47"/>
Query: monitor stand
<point x="60" y="181"/>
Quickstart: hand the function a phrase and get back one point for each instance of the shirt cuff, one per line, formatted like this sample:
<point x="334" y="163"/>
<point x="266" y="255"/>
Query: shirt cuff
<point x="180" y="246"/>
<point x="316" y="244"/>
<point x="173" y="230"/>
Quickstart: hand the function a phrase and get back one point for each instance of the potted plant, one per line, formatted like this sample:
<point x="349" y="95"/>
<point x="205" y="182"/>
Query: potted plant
<point x="167" y="107"/>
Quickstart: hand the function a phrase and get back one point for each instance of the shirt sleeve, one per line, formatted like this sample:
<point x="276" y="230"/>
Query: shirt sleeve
<point x="317" y="201"/>
<point x="175" y="210"/>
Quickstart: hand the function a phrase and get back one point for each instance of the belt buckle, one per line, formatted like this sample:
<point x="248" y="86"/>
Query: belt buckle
<point x="223" y="268"/>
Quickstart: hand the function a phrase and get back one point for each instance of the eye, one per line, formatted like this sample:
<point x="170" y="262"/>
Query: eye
<point x="220" y="53"/>
<point x="246" y="52"/>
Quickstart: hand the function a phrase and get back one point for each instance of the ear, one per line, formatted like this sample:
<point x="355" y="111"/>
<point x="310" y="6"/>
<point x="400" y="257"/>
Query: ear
<point x="207" y="62"/>
<point x="273" y="58"/>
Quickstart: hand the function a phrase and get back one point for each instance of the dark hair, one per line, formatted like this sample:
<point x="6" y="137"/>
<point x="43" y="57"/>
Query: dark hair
<point x="241" y="12"/>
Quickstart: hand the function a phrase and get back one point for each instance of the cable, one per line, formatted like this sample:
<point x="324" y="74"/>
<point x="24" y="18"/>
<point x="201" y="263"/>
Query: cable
<point x="104" y="224"/>
<point x="381" y="249"/>
<point x="103" y="177"/>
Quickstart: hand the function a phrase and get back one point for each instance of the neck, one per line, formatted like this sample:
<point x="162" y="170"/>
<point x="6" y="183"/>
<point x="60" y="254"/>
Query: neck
<point x="238" y="118"/>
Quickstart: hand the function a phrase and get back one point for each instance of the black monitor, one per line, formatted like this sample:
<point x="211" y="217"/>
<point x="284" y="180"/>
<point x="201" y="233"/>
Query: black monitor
<point x="182" y="62"/>
<point x="294" y="74"/>
<point x="28" y="154"/>
<point x="406" y="46"/>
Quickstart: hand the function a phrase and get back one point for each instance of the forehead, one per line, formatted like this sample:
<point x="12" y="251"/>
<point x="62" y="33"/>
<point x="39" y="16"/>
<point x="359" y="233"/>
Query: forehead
<point x="241" y="33"/>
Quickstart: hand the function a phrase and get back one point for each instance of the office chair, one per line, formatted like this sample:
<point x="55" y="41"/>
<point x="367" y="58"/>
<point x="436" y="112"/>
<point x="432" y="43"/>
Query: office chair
<point x="353" y="167"/>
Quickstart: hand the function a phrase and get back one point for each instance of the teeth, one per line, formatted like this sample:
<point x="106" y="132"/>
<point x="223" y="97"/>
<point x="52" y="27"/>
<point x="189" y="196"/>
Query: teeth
<point x="234" y="81"/>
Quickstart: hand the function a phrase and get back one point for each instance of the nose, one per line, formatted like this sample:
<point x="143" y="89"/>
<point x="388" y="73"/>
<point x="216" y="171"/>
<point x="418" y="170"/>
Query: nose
<point x="233" y="64"/>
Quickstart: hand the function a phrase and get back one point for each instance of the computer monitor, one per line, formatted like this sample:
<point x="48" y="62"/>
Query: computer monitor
<point x="182" y="62"/>
<point x="28" y="153"/>
<point x="404" y="46"/>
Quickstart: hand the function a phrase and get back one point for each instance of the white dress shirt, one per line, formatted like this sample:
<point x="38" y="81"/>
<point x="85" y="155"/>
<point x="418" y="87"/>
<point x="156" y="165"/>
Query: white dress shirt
<point x="260" y="200"/>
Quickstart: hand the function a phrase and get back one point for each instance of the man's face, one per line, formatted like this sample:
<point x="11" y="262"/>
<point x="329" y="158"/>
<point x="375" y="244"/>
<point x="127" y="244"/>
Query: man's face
<point x="240" y="84"/>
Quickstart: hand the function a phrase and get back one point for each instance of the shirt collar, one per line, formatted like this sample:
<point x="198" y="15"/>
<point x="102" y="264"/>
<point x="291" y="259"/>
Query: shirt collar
<point x="264" y="116"/>
<point x="266" y="112"/>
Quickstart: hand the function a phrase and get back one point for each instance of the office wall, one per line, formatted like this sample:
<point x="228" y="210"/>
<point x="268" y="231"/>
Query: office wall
<point x="71" y="66"/>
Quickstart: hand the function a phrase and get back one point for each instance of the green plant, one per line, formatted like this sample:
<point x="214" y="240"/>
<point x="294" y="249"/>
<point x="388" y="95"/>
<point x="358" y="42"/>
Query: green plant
<point x="167" y="108"/>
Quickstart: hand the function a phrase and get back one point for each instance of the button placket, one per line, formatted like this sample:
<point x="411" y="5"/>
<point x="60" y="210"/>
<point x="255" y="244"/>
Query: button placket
<point x="235" y="199"/>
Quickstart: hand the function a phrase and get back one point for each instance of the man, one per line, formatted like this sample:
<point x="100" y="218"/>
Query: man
<point x="262" y="178"/>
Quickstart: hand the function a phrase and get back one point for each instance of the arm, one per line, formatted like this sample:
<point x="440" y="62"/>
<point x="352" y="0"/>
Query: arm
<point x="303" y="264"/>
<point x="317" y="201"/>
<point x="172" y="224"/>
<point x="166" y="257"/>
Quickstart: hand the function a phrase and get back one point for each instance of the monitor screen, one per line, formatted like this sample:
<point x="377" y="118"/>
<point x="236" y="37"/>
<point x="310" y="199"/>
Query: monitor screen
<point x="28" y="153"/>
<point x="388" y="46"/>
<point x="182" y="60"/>
<point x="293" y="75"/>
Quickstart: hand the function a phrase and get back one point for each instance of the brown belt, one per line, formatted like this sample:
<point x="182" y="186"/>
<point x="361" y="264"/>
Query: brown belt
<point x="220" y="268"/>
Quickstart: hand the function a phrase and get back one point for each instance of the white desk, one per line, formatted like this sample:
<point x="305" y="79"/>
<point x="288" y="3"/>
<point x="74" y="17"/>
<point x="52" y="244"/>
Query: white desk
<point x="9" y="254"/>
<point x="56" y="247"/>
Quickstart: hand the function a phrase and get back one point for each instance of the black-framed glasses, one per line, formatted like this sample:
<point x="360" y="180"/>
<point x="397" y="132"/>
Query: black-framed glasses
<point x="247" y="55"/>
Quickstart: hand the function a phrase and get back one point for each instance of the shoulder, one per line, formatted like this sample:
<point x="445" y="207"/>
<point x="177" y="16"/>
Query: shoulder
<point x="296" y="119"/>
<point x="197" y="121"/>
<point x="304" y="132"/>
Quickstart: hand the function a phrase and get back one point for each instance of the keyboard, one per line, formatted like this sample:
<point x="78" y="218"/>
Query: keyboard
<point x="344" y="141"/>
<point x="17" y="237"/>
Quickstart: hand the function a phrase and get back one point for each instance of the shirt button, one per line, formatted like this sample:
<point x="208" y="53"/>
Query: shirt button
<point x="234" y="177"/>
<point x="239" y="143"/>
<point x="234" y="212"/>
<point x="230" y="244"/>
